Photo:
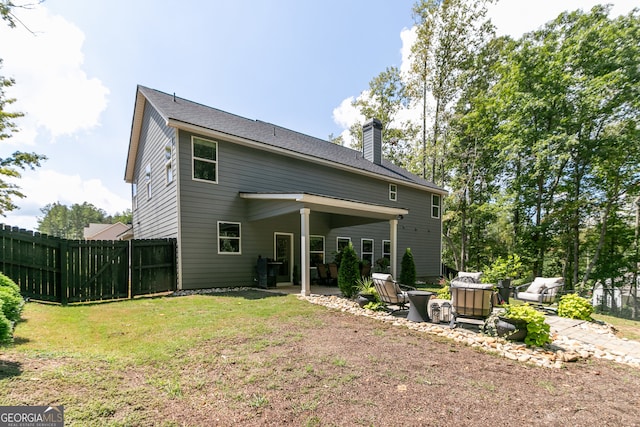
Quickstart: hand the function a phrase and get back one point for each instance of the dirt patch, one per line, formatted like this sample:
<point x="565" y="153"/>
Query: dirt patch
<point x="344" y="370"/>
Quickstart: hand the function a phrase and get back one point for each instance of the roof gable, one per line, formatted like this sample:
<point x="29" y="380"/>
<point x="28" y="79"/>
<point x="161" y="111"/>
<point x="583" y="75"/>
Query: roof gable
<point x="181" y="113"/>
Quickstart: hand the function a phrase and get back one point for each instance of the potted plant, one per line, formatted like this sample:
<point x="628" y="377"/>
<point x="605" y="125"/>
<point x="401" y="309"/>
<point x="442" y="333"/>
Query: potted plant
<point x="522" y="323"/>
<point x="366" y="291"/>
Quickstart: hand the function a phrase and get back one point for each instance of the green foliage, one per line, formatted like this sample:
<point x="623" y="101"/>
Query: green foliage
<point x="364" y="285"/>
<point x="6" y="328"/>
<point x="11" y="305"/>
<point x="12" y="301"/>
<point x="349" y="271"/>
<point x="408" y="269"/>
<point x="69" y="222"/>
<point x="445" y="290"/>
<point x="537" y="329"/>
<point x="503" y="268"/>
<point x="375" y="306"/>
<point x="573" y="306"/>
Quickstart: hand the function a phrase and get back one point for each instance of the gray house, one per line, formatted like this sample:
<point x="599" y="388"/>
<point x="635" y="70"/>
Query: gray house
<point x="231" y="189"/>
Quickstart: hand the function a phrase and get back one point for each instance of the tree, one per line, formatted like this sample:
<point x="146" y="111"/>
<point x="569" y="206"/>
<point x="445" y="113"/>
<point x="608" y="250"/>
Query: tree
<point x="408" y="269"/>
<point x="384" y="99"/>
<point x="349" y="271"/>
<point x="10" y="166"/>
<point x="69" y="223"/>
<point x="449" y="33"/>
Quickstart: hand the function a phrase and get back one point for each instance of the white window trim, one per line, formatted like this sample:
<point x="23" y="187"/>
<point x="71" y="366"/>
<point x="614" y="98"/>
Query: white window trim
<point x="168" y="166"/>
<point x="393" y="192"/>
<point x="193" y="157"/>
<point x="147" y="174"/>
<point x="438" y="206"/>
<point x="386" y="253"/>
<point x="238" y="238"/>
<point x="338" y="241"/>
<point x="134" y="195"/>
<point x="373" y="249"/>
<point x="323" y="252"/>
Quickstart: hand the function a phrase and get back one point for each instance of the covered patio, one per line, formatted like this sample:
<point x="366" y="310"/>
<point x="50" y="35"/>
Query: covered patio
<point x="344" y="213"/>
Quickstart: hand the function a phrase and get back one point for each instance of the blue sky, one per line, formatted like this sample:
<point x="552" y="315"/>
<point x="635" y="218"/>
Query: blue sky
<point x="290" y="62"/>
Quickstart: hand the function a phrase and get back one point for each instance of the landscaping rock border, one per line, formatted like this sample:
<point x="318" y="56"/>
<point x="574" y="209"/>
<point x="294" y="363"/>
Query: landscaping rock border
<point x="561" y="350"/>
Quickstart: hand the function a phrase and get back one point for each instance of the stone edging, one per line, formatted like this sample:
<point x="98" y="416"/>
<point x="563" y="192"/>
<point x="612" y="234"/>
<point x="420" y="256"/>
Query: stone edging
<point x="562" y="349"/>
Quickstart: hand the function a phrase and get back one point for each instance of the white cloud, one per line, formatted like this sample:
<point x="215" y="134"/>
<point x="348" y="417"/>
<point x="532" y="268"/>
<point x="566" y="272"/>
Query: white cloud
<point x="515" y="18"/>
<point x="47" y="186"/>
<point x="51" y="86"/>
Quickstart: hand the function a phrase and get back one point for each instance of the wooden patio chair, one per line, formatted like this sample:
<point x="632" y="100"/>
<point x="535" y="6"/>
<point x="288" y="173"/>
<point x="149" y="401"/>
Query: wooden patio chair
<point x="391" y="293"/>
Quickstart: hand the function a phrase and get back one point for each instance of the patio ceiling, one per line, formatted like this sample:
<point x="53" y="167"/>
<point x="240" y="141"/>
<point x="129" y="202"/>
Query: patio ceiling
<point x="268" y="205"/>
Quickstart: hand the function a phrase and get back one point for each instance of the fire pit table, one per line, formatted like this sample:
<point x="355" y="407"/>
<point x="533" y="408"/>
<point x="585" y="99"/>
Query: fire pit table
<point x="418" y="301"/>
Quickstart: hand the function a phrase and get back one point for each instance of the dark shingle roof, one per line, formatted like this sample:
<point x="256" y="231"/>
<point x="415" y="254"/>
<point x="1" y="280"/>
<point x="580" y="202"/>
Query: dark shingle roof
<point x="189" y="112"/>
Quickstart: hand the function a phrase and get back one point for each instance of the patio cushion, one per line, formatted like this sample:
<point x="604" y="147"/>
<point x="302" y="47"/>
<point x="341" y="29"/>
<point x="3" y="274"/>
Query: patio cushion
<point x="475" y="276"/>
<point x="539" y="284"/>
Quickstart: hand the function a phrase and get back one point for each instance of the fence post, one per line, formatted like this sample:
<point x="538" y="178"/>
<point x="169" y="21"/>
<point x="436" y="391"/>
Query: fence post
<point x="64" y="271"/>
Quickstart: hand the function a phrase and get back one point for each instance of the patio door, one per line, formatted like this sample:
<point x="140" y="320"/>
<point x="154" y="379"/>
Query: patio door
<point x="283" y="255"/>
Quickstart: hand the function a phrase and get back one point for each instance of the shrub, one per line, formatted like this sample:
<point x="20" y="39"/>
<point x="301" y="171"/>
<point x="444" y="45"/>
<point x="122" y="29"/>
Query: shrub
<point x="6" y="328"/>
<point x="509" y="268"/>
<point x="574" y="306"/>
<point x="408" y="269"/>
<point x="537" y="329"/>
<point x="12" y="301"/>
<point x="349" y="271"/>
<point x="445" y="291"/>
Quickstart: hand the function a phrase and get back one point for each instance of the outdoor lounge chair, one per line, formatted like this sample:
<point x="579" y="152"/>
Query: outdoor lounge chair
<point x="468" y="277"/>
<point x="542" y="291"/>
<point x="470" y="302"/>
<point x="333" y="273"/>
<point x="391" y="293"/>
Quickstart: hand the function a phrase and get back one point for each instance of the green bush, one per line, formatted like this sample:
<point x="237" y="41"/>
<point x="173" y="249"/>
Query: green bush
<point x="537" y="329"/>
<point x="6" y="328"/>
<point x="574" y="306"/>
<point x="408" y="269"/>
<point x="509" y="268"/>
<point x="13" y="303"/>
<point x="349" y="271"/>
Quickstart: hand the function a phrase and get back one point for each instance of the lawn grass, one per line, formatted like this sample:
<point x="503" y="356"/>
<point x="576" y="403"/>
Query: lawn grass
<point x="131" y="357"/>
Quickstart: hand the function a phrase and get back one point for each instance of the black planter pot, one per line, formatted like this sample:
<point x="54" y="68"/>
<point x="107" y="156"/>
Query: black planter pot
<point x="364" y="299"/>
<point x="511" y="329"/>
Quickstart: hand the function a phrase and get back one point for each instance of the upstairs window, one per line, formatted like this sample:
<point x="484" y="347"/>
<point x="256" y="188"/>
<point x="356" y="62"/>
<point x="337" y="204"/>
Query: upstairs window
<point x="393" y="192"/>
<point x="229" y="238"/>
<point x="205" y="160"/>
<point x="168" y="154"/>
<point x="147" y="175"/>
<point x="435" y="206"/>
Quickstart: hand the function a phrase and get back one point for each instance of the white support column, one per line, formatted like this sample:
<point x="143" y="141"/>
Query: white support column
<point x="393" y="236"/>
<point x="305" y="258"/>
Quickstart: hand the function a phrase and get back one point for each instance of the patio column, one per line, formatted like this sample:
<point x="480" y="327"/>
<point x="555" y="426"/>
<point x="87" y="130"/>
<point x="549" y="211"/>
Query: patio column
<point x="305" y="259"/>
<point x="393" y="237"/>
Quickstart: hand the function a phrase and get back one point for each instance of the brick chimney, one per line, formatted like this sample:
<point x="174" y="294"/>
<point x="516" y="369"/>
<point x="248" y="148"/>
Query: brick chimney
<point x="372" y="141"/>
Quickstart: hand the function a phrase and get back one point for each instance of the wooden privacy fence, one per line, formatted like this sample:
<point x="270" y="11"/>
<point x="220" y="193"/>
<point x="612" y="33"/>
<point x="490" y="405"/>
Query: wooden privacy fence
<point x="66" y="271"/>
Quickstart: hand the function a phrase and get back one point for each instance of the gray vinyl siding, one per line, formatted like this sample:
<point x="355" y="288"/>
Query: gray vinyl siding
<point x="244" y="169"/>
<point x="156" y="217"/>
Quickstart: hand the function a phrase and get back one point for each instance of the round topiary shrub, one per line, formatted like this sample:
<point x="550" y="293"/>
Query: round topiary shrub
<point x="349" y="271"/>
<point x="12" y="301"/>
<point x="573" y="306"/>
<point x="408" y="269"/>
<point x="6" y="328"/>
